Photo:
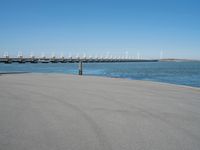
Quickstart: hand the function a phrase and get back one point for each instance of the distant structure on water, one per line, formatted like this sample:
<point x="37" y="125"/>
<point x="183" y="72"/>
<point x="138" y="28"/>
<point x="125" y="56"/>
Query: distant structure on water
<point x="71" y="59"/>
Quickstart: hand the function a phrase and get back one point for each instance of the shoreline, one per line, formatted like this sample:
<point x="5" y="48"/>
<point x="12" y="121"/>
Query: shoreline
<point x="151" y="81"/>
<point x="101" y="76"/>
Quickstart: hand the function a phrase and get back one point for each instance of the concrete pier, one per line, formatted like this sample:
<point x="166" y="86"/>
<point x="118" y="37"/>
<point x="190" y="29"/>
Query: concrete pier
<point x="66" y="112"/>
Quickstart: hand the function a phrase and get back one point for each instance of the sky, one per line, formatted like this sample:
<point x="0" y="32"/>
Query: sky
<point x="101" y="27"/>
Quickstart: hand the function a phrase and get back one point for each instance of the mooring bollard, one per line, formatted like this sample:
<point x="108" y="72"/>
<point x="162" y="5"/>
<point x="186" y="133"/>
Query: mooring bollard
<point x="80" y="71"/>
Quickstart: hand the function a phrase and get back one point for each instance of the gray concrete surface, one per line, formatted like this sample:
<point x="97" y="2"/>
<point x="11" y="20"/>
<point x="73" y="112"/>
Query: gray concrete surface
<point x="65" y="112"/>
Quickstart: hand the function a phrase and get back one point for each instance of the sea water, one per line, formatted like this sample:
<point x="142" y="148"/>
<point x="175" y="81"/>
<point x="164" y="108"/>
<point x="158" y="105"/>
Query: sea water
<point x="181" y="73"/>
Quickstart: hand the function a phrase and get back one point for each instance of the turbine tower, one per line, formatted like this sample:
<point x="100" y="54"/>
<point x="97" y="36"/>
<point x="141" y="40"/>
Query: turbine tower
<point x="161" y="54"/>
<point x="138" y="55"/>
<point x="5" y="54"/>
<point x="53" y="55"/>
<point x="126" y="53"/>
<point x="43" y="55"/>
<point x="32" y="55"/>
<point x="61" y="55"/>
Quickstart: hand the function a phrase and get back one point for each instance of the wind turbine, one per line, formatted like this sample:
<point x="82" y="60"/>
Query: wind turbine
<point x="19" y="55"/>
<point x="32" y="55"/>
<point x="61" y="55"/>
<point x="138" y="55"/>
<point x="43" y="55"/>
<point x="107" y="55"/>
<point x="84" y="56"/>
<point x="53" y="55"/>
<point x="77" y="56"/>
<point x="70" y="56"/>
<point x="126" y="53"/>
<point x="5" y="54"/>
<point x="161" y="54"/>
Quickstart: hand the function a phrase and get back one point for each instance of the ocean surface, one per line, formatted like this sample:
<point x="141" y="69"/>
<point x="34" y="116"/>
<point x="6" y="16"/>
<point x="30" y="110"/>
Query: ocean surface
<point x="181" y="73"/>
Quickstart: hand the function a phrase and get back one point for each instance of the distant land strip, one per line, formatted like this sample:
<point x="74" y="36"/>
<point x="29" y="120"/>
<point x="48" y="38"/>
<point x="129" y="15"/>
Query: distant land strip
<point x="13" y="72"/>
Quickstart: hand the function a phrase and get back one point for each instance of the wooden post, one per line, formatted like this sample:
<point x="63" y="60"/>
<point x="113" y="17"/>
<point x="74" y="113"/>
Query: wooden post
<point x="80" y="71"/>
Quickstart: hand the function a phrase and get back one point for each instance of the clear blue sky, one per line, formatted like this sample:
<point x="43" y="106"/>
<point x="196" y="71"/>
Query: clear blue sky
<point x="101" y="26"/>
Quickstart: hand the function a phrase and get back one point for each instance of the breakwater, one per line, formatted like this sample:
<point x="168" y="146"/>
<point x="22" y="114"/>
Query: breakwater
<point x="70" y="60"/>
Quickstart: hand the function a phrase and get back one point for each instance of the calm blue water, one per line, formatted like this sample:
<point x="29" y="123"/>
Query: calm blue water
<point x="182" y="73"/>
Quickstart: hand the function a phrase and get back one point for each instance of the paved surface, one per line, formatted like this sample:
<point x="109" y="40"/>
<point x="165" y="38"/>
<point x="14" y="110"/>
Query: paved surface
<point x="63" y="112"/>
